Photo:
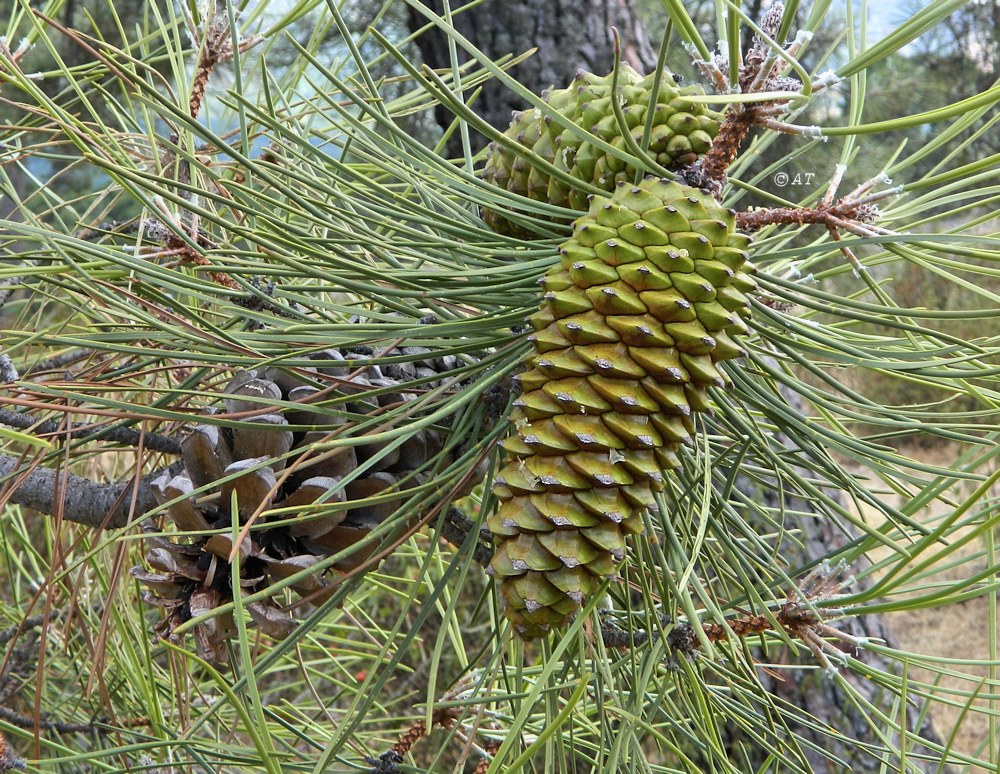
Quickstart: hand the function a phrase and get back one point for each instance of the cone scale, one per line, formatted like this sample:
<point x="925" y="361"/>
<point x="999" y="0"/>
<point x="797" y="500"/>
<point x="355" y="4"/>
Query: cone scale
<point x="646" y="301"/>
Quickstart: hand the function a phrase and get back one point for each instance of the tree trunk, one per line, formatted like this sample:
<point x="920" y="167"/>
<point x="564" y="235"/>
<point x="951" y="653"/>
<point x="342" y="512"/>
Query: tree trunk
<point x="569" y="36"/>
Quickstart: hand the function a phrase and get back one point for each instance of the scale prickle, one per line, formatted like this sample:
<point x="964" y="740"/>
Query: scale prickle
<point x="680" y="132"/>
<point x="651" y="290"/>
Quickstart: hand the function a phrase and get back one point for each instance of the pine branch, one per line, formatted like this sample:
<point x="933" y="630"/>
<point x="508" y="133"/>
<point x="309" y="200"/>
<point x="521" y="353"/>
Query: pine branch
<point x="443" y="717"/>
<point x="123" y="435"/>
<point x="77" y="499"/>
<point x="456" y="529"/>
<point x="8" y="760"/>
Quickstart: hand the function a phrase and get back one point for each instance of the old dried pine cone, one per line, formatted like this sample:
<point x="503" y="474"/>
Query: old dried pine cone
<point x="189" y="573"/>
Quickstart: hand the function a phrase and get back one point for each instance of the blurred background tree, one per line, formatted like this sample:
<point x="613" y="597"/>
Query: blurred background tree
<point x="564" y="39"/>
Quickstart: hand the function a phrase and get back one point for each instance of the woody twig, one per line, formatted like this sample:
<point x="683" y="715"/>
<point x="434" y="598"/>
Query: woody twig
<point x="8" y="760"/>
<point x="798" y="617"/>
<point x="388" y="762"/>
<point x="17" y="664"/>
<point x="61" y="431"/>
<point x="760" y="72"/>
<point x="216" y="46"/>
<point x="445" y="717"/>
<point x="855" y="213"/>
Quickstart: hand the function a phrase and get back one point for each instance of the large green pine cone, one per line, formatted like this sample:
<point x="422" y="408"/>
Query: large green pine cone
<point x="681" y="132"/>
<point x="651" y="290"/>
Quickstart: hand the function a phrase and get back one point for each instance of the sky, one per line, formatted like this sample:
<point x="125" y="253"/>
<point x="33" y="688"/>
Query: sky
<point x="885" y="15"/>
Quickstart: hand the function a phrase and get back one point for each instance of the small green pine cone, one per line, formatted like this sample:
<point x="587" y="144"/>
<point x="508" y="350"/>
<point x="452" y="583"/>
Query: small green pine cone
<point x="682" y="131"/>
<point x="649" y="295"/>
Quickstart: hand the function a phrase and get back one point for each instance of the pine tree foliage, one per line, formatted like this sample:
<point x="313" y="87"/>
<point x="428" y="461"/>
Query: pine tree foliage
<point x="244" y="219"/>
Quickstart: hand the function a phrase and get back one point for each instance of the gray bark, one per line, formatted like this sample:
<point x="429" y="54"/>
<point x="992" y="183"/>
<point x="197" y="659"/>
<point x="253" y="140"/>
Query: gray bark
<point x="50" y="427"/>
<point x="94" y="504"/>
<point x="569" y="36"/>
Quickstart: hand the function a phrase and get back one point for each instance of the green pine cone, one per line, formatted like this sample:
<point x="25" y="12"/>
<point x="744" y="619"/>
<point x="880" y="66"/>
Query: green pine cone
<point x="681" y="132"/>
<point x="649" y="295"/>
